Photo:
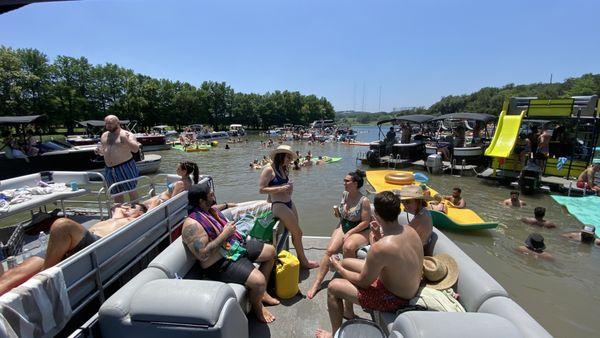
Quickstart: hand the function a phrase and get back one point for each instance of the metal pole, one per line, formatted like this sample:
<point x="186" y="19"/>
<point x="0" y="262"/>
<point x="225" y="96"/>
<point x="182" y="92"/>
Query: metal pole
<point x="573" y="147"/>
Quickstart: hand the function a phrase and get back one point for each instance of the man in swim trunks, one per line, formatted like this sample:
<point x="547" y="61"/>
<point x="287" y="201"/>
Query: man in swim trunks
<point x="456" y="199"/>
<point x="390" y="275"/>
<point x="539" y="213"/>
<point x="224" y="254"/>
<point x="587" y="235"/>
<point x="117" y="146"/>
<point x="544" y="142"/>
<point x="66" y="238"/>
<point x="586" y="178"/>
<point x="514" y="200"/>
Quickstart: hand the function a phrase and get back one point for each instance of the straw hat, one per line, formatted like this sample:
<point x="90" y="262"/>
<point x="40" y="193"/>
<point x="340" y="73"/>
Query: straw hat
<point x="440" y="272"/>
<point x="284" y="148"/>
<point x="413" y="192"/>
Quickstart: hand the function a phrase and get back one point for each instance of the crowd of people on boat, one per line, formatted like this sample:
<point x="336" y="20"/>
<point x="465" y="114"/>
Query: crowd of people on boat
<point x="387" y="249"/>
<point x="23" y="148"/>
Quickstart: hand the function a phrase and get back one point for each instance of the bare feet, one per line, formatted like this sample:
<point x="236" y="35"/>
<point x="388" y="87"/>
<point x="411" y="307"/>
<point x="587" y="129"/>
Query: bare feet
<point x="310" y="265"/>
<point x="312" y="292"/>
<point x="323" y="334"/>
<point x="264" y="315"/>
<point x="270" y="300"/>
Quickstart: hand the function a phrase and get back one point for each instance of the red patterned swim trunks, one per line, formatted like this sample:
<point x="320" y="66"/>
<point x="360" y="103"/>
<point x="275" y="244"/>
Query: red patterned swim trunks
<point x="377" y="297"/>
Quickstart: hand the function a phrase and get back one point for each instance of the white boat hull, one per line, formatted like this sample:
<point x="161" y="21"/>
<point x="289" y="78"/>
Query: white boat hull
<point x="150" y="164"/>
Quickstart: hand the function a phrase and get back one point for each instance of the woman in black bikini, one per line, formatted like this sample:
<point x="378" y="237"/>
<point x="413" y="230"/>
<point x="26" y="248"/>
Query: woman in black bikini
<point x="274" y="181"/>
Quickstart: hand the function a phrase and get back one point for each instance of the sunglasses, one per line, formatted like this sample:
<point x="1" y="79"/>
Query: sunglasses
<point x="347" y="180"/>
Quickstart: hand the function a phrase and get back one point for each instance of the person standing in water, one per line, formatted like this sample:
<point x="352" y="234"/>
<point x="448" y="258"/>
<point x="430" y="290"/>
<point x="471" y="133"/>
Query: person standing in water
<point x="275" y="182"/>
<point x="117" y="146"/>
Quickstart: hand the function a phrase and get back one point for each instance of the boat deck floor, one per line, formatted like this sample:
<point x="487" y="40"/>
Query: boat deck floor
<point x="299" y="316"/>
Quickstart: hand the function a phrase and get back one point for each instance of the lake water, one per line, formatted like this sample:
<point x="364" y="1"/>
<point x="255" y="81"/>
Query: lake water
<point x="559" y="294"/>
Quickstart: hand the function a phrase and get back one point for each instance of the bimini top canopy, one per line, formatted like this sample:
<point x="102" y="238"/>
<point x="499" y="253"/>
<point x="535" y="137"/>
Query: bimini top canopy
<point x="97" y="123"/>
<point x="19" y="119"/>
<point x="415" y="118"/>
<point x="467" y="116"/>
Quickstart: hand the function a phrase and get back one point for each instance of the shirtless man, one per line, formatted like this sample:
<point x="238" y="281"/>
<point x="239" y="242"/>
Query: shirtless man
<point x="212" y="240"/>
<point x="544" y="142"/>
<point x="534" y="246"/>
<point x="117" y="146"/>
<point x="514" y="200"/>
<point x="456" y="199"/>
<point x="587" y="235"/>
<point x="586" y="178"/>
<point x="68" y="237"/>
<point x="391" y="273"/>
<point x="538" y="220"/>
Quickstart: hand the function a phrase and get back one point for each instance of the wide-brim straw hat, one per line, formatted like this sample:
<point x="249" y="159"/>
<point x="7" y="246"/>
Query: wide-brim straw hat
<point x="413" y="192"/>
<point x="284" y="148"/>
<point x="440" y="272"/>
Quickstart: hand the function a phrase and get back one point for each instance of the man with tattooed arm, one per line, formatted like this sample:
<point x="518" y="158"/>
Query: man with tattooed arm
<point x="224" y="254"/>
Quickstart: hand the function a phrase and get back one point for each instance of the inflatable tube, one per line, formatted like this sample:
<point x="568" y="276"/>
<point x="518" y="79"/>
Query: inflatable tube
<point x="420" y="177"/>
<point x="214" y="143"/>
<point x="399" y="178"/>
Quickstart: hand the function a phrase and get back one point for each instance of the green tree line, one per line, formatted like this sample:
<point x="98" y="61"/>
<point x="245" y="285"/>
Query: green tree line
<point x="71" y="89"/>
<point x="489" y="99"/>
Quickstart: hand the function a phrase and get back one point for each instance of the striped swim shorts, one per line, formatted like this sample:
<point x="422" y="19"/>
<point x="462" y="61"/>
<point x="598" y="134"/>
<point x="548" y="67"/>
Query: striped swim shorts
<point x="121" y="172"/>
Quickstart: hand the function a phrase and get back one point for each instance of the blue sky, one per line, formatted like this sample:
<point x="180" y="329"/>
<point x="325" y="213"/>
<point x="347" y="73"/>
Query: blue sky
<point x="415" y="51"/>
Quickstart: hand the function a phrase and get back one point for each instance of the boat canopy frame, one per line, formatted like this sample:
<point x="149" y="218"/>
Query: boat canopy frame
<point x="480" y="117"/>
<point x="419" y="119"/>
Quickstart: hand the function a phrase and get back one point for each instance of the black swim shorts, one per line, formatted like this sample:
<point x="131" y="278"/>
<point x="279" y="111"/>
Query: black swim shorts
<point x="236" y="272"/>
<point x="88" y="238"/>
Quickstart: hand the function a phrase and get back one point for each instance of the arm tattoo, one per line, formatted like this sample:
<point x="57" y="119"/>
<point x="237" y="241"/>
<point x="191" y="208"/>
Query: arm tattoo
<point x="193" y="240"/>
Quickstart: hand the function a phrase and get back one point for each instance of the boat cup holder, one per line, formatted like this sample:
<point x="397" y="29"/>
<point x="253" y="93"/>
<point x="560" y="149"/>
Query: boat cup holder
<point x="357" y="328"/>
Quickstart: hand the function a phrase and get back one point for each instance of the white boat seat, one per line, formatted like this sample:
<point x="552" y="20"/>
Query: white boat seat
<point x="417" y="324"/>
<point x="178" y="301"/>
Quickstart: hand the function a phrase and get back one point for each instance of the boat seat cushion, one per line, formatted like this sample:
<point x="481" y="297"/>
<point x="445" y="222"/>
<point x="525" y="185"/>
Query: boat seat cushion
<point x="175" y="260"/>
<point x="507" y="308"/>
<point x="180" y="301"/>
<point x="475" y="285"/>
<point x="416" y="324"/>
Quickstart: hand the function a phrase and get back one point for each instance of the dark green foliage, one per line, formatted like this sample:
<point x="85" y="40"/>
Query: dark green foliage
<point x="71" y="89"/>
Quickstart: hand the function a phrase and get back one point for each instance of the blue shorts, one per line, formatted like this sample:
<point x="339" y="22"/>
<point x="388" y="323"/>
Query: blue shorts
<point x="121" y="172"/>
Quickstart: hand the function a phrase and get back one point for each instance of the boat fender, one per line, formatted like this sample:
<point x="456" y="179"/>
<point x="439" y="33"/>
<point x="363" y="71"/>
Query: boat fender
<point x="400" y="178"/>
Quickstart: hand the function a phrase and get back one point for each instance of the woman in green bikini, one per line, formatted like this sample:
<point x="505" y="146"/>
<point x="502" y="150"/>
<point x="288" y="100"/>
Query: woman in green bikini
<point x="353" y="230"/>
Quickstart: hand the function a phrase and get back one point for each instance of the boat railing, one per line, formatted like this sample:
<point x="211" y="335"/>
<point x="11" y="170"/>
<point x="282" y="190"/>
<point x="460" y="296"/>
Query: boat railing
<point x="144" y="188"/>
<point x="98" y="270"/>
<point x="81" y="183"/>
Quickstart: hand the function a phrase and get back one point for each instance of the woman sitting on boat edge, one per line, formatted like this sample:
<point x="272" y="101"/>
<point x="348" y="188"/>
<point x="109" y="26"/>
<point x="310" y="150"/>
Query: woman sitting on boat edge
<point x="353" y="229"/>
<point x="184" y="170"/>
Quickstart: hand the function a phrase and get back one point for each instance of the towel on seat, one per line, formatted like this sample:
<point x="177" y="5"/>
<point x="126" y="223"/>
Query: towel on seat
<point x="37" y="308"/>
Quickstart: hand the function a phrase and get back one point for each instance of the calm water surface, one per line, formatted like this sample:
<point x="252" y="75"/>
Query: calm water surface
<point x="559" y="294"/>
